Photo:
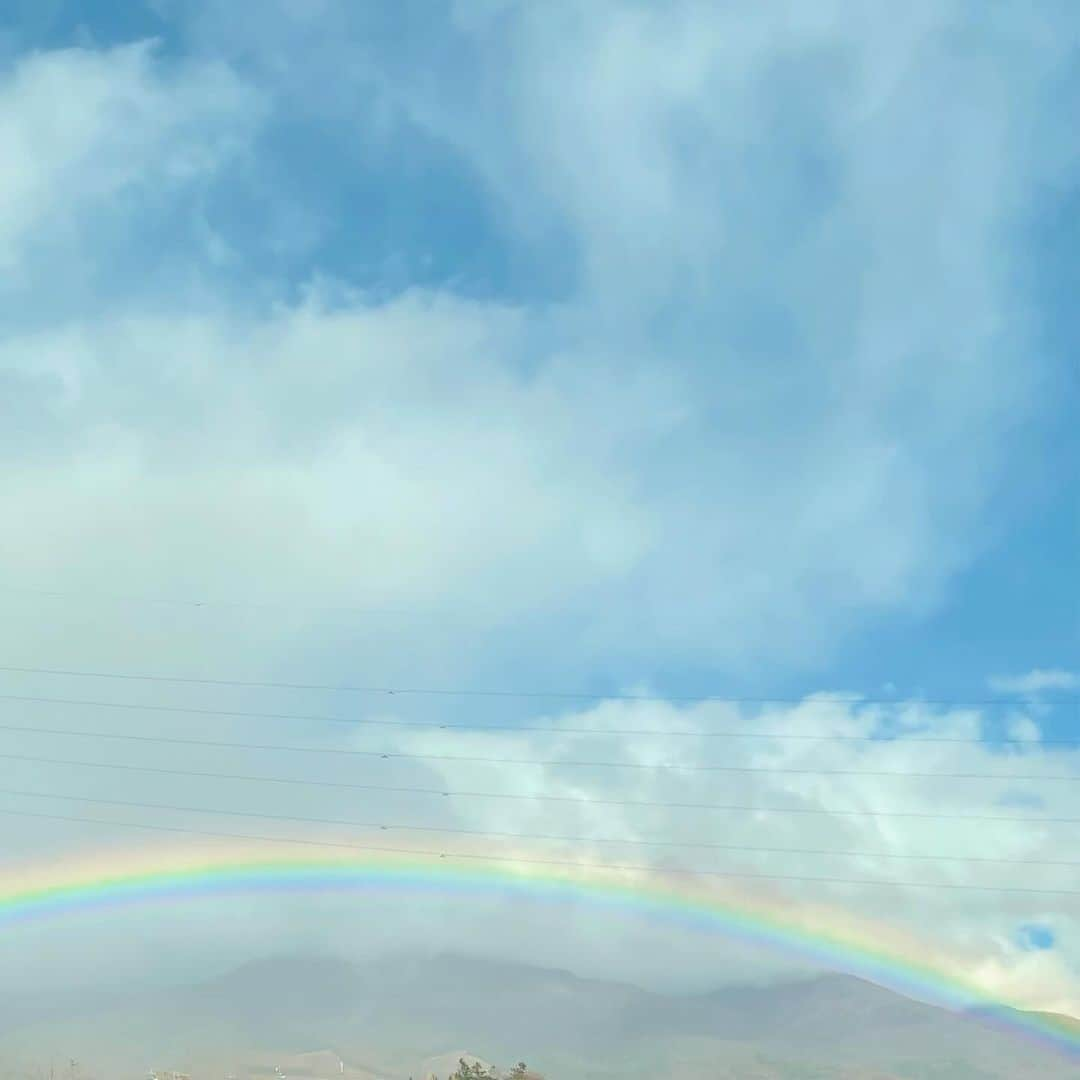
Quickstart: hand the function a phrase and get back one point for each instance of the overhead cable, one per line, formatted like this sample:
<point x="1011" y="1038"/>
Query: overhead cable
<point x="567" y="864"/>
<point x="475" y="759"/>
<point x="463" y="692"/>
<point x="555" y="729"/>
<point x="578" y="840"/>
<point x="537" y="796"/>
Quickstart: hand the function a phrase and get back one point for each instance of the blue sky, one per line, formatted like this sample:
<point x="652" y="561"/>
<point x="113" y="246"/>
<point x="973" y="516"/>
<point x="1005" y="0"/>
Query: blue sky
<point x="1036" y="938"/>
<point x="690" y="349"/>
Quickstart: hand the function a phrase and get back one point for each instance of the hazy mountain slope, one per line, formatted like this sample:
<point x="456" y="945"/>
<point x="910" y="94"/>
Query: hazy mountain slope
<point x="386" y="1018"/>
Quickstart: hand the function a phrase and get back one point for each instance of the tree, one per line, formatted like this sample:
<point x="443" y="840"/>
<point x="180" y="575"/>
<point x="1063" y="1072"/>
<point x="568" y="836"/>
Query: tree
<point x="476" y="1071"/>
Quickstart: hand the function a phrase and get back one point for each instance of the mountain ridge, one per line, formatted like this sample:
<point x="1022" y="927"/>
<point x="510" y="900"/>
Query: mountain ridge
<point x="394" y="1012"/>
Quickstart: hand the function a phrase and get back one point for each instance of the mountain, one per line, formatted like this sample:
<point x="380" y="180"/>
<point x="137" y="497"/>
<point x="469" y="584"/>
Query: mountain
<point x="407" y="1015"/>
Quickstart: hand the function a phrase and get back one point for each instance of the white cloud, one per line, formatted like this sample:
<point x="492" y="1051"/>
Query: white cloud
<point x="1035" y="682"/>
<point x="405" y="471"/>
<point x="82" y="131"/>
<point x="970" y="933"/>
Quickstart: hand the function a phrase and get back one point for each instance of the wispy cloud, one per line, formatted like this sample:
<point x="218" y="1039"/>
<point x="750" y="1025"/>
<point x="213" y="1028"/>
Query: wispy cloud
<point x="1036" y="682"/>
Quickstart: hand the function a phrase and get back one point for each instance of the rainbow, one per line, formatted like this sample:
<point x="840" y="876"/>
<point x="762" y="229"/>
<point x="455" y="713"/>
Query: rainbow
<point x="818" y="935"/>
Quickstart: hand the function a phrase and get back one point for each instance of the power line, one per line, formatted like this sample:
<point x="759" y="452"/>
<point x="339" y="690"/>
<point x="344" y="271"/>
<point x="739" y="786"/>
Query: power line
<point x="825" y="699"/>
<point x="557" y="729"/>
<point x="582" y="799"/>
<point x="469" y="759"/>
<point x="489" y="834"/>
<point x="507" y="860"/>
<point x="220" y="605"/>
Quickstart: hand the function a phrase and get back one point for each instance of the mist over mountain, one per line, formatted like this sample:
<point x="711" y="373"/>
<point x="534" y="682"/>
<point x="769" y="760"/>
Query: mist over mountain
<point x="414" y="1015"/>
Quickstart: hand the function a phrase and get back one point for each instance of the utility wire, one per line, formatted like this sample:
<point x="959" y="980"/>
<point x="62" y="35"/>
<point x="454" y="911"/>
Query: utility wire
<point x="508" y="860"/>
<point x="826" y="699"/>
<point x="220" y="605"/>
<point x="544" y="763"/>
<point x="557" y="729"/>
<point x="469" y="759"/>
<point x="488" y="834"/>
<point x="582" y="799"/>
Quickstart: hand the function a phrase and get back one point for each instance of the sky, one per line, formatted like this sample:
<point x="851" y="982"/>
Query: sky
<point x="629" y="351"/>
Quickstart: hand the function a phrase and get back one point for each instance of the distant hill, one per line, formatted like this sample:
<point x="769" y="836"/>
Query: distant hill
<point x="409" y="1015"/>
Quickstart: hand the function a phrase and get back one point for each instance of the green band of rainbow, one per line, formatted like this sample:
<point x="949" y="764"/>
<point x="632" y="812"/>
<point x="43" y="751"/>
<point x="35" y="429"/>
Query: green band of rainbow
<point x="827" y="940"/>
